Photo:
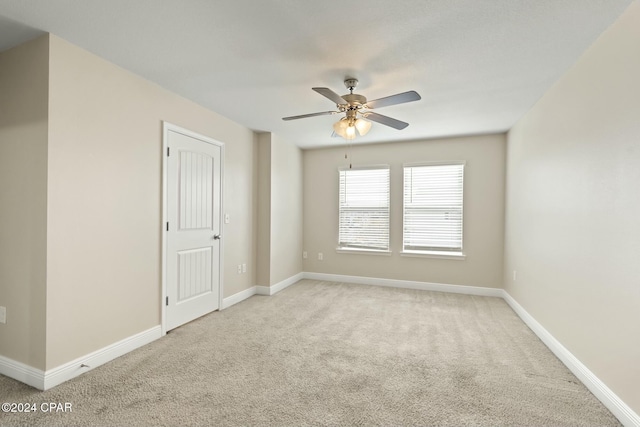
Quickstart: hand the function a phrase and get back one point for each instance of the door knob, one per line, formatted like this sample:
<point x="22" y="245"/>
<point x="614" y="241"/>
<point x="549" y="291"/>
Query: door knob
<point x="216" y="237"/>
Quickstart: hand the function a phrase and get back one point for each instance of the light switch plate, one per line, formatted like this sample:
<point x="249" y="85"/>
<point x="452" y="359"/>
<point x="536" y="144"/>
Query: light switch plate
<point x="3" y="314"/>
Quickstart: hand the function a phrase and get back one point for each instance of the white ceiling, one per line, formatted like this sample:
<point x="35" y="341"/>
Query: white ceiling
<point x="479" y="65"/>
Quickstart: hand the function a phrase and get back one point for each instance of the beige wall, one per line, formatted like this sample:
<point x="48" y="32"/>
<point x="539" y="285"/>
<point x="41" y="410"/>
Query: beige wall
<point x="240" y="202"/>
<point x="573" y="209"/>
<point x="279" y="252"/>
<point x="105" y="191"/>
<point x="483" y="211"/>
<point x="263" y="249"/>
<point x="286" y="210"/>
<point x="23" y="200"/>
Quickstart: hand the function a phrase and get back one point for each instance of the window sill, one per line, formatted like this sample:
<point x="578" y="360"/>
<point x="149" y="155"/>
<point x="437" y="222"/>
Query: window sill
<point x="363" y="251"/>
<point x="434" y="254"/>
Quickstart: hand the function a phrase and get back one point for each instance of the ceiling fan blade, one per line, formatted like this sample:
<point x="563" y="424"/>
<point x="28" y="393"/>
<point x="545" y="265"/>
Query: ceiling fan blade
<point x="328" y="93"/>
<point x="387" y="121"/>
<point x="304" y="116"/>
<point x="399" y="98"/>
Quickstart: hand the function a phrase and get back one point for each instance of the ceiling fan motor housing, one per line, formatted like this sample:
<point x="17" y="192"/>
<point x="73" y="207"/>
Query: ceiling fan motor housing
<point x="355" y="101"/>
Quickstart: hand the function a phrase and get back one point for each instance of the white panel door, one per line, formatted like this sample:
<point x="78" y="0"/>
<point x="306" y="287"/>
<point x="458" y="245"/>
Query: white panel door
<point x="193" y="232"/>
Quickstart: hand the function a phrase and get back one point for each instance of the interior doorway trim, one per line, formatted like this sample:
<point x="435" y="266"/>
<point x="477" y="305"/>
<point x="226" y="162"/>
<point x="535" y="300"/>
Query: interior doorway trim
<point x="166" y="128"/>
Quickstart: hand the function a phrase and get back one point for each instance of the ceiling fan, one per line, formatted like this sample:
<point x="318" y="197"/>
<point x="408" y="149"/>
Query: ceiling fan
<point x="357" y="109"/>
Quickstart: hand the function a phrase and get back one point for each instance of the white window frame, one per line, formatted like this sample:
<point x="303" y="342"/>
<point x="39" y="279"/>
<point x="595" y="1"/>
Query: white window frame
<point x="353" y="247"/>
<point x="433" y="251"/>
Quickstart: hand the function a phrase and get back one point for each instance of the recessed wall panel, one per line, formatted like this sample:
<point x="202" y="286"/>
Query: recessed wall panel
<point x="195" y="191"/>
<point x="194" y="273"/>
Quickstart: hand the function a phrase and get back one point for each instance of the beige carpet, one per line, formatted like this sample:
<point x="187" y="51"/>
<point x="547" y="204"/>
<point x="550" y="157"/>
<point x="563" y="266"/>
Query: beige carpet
<point x="321" y="353"/>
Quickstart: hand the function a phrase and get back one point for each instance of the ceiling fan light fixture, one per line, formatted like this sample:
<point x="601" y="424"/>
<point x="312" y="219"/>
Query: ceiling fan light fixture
<point x="350" y="133"/>
<point x="340" y="127"/>
<point x="363" y="126"/>
<point x="348" y="128"/>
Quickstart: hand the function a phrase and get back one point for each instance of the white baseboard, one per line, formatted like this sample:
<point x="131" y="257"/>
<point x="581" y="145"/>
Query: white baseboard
<point x="72" y="369"/>
<point x="286" y="283"/>
<point x="407" y="284"/>
<point x="21" y="372"/>
<point x="239" y="297"/>
<point x="42" y="380"/>
<point x="608" y="398"/>
<point x="261" y="290"/>
<point x="274" y="289"/>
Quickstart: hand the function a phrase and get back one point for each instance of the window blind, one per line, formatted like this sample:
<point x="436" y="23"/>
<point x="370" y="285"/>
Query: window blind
<point x="432" y="212"/>
<point x="364" y="209"/>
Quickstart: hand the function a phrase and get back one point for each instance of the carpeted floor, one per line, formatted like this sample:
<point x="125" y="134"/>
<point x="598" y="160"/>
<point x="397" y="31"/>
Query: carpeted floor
<point x="322" y="353"/>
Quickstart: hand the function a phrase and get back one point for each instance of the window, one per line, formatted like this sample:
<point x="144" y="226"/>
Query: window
<point x="364" y="209"/>
<point x="432" y="213"/>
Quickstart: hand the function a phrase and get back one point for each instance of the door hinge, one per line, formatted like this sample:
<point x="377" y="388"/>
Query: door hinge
<point x="167" y="226"/>
<point x="168" y="152"/>
<point x="167" y="301"/>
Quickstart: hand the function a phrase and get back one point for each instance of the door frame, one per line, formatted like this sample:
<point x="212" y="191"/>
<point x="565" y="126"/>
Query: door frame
<point x="166" y="127"/>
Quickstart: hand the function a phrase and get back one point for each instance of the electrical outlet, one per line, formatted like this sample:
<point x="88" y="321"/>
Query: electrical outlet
<point x="304" y="255"/>
<point x="244" y="268"/>
<point x="320" y="256"/>
<point x="3" y="314"/>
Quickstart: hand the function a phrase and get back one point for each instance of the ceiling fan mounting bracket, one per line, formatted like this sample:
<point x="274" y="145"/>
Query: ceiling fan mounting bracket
<point x="351" y="84"/>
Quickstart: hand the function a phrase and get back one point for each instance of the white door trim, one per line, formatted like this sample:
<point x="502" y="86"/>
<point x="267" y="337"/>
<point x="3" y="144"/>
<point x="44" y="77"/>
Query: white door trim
<point x="166" y="127"/>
